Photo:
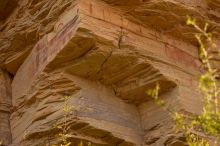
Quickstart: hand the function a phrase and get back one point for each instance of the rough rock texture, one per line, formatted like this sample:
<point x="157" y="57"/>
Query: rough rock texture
<point x="105" y="54"/>
<point x="5" y="104"/>
<point x="6" y="8"/>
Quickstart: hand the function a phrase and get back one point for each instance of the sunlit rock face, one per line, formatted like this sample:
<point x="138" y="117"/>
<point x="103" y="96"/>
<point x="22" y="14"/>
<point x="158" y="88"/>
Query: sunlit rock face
<point x="105" y="55"/>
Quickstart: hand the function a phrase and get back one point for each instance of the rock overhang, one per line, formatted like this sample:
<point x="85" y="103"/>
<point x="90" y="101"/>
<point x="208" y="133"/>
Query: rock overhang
<point x="116" y="60"/>
<point x="159" y="12"/>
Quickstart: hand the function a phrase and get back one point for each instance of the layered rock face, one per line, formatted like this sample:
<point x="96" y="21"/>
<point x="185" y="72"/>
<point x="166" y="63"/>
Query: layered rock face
<point x="105" y="55"/>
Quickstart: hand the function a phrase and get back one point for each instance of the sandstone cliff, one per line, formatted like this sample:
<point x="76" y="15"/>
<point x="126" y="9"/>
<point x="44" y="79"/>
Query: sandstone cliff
<point x="105" y="54"/>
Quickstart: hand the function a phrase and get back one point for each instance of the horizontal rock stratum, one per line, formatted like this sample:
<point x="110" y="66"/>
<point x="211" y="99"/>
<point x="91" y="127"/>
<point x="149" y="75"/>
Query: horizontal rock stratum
<point x="105" y="55"/>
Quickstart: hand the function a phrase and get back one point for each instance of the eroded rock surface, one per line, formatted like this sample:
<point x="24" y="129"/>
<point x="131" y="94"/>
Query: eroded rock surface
<point x="5" y="106"/>
<point x="105" y="55"/>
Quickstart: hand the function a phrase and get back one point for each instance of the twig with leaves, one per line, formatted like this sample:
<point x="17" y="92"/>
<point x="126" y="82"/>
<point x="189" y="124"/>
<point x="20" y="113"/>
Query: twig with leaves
<point x="207" y="123"/>
<point x="67" y="109"/>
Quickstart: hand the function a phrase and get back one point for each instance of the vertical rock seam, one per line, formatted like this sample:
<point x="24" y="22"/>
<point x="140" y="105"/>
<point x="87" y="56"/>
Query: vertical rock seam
<point x="5" y="104"/>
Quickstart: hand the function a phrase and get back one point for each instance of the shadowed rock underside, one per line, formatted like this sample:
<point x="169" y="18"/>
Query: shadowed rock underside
<point x="105" y="54"/>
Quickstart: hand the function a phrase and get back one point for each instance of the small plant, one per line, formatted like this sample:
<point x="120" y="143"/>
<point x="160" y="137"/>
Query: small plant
<point x="63" y="136"/>
<point x="64" y="127"/>
<point x="203" y="129"/>
<point x="154" y="93"/>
